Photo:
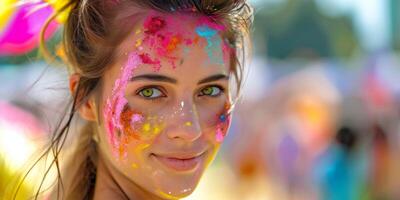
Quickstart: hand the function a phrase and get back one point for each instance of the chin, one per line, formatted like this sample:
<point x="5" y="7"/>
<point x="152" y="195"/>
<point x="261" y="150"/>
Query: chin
<point x="175" y="186"/>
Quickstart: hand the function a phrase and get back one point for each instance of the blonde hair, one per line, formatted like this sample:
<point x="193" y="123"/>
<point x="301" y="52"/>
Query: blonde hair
<point x="89" y="44"/>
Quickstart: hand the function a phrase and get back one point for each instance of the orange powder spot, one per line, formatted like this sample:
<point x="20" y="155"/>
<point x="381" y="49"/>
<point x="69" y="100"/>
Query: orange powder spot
<point x="196" y="39"/>
<point x="126" y="117"/>
<point x="123" y="147"/>
<point x="173" y="43"/>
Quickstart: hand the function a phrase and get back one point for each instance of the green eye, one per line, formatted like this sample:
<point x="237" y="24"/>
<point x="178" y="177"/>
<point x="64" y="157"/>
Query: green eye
<point x="211" y="91"/>
<point x="150" y="93"/>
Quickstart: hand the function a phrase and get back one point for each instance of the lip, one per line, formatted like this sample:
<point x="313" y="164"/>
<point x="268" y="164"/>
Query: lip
<point x="180" y="162"/>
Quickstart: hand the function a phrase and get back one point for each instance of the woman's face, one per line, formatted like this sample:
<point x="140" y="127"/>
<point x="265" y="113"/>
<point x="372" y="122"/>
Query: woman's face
<point x="165" y="103"/>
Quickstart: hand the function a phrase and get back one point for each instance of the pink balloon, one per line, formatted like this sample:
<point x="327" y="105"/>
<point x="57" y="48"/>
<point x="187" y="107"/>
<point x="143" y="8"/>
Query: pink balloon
<point x="22" y="34"/>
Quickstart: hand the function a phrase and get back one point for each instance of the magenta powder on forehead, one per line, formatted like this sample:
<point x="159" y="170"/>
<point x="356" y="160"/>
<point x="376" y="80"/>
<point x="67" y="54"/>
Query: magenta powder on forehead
<point x="146" y="59"/>
<point x="154" y="24"/>
<point x="116" y="103"/>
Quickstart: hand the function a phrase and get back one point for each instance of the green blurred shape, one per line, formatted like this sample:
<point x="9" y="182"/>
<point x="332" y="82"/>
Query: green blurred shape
<point x="299" y="29"/>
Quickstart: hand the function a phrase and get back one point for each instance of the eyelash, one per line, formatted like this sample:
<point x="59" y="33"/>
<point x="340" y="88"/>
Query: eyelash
<point x="222" y="90"/>
<point x="163" y="93"/>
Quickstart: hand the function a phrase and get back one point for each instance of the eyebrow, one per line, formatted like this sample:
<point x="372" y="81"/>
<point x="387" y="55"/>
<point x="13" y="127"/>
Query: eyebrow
<point x="154" y="77"/>
<point x="213" y="78"/>
<point x="162" y="78"/>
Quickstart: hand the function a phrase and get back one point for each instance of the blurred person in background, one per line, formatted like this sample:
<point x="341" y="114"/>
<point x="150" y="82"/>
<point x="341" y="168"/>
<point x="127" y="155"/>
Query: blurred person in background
<point x="287" y="130"/>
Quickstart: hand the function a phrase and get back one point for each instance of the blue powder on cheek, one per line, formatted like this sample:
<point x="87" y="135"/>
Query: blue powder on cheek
<point x="213" y="47"/>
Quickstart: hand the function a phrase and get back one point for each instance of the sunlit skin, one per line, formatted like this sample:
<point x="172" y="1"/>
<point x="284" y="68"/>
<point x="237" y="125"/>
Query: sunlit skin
<point x="157" y="142"/>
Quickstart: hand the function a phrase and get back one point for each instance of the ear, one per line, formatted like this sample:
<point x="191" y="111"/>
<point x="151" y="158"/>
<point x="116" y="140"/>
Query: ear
<point x="87" y="106"/>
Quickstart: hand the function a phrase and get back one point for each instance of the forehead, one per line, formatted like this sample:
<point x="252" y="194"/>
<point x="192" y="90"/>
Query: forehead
<point x="176" y="42"/>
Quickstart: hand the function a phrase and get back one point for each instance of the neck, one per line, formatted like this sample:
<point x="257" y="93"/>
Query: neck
<point x="111" y="184"/>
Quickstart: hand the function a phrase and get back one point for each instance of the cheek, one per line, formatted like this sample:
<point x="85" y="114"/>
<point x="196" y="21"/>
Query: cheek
<point x="223" y="122"/>
<point x="216" y="122"/>
<point x="133" y="129"/>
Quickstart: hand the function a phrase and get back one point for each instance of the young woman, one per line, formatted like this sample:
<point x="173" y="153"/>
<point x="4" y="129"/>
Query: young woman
<point x="154" y="81"/>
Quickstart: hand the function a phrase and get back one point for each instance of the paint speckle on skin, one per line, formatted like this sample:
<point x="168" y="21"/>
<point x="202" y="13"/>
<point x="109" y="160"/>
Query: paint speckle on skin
<point x="222" y="118"/>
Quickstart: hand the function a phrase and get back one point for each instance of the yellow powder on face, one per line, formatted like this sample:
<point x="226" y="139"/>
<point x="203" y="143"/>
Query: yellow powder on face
<point x="157" y="130"/>
<point x="138" y="42"/>
<point x="141" y="147"/>
<point x="188" y="124"/>
<point x="146" y="127"/>
<point x="167" y="196"/>
<point x="134" y="166"/>
<point x="138" y="152"/>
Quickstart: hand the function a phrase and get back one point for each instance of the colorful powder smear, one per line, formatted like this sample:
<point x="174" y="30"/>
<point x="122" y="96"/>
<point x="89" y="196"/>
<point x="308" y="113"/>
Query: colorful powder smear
<point x="116" y="104"/>
<point x="119" y="117"/>
<point x="164" y="44"/>
<point x="146" y="59"/>
<point x="214" y="41"/>
<point x="166" y="36"/>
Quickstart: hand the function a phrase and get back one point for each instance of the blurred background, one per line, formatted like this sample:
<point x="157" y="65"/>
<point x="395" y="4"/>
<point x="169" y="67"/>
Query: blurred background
<point x="318" y="119"/>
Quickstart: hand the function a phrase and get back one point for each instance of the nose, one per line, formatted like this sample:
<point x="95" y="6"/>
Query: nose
<point x="185" y="124"/>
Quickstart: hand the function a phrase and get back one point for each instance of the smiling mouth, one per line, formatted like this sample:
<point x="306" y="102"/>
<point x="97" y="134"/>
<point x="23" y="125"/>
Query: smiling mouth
<point x="180" y="164"/>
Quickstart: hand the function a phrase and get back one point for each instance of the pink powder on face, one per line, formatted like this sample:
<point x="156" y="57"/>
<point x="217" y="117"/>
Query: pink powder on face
<point x="154" y="25"/>
<point x="164" y="43"/>
<point x="115" y="104"/>
<point x="164" y="35"/>
<point x="222" y="129"/>
<point x="224" y="120"/>
<point x="136" y="118"/>
<point x="220" y="135"/>
<point x="147" y="60"/>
